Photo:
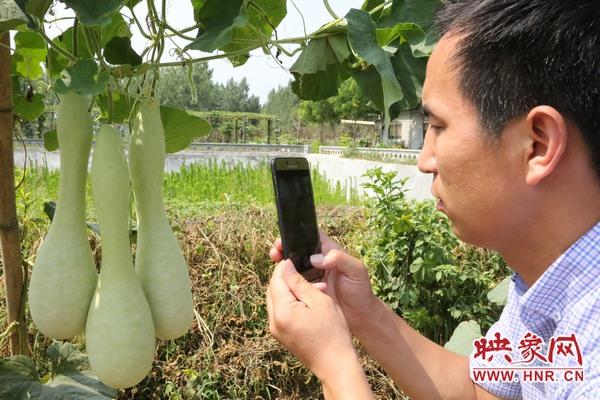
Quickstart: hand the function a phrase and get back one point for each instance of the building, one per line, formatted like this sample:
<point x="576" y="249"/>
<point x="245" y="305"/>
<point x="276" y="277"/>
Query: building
<point x="407" y="130"/>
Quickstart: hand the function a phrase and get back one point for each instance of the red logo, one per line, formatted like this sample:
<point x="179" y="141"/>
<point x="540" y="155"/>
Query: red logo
<point x="535" y="363"/>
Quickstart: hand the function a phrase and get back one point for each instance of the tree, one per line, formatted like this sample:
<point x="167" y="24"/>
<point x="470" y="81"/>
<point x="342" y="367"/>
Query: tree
<point x="351" y="103"/>
<point x="283" y="103"/>
<point x="235" y="96"/>
<point x="174" y="88"/>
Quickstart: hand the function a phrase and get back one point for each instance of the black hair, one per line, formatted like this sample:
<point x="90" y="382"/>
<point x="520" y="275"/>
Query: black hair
<point x="516" y="54"/>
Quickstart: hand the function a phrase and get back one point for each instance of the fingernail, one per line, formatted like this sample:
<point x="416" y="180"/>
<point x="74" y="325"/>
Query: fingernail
<point x="317" y="259"/>
<point x="288" y="267"/>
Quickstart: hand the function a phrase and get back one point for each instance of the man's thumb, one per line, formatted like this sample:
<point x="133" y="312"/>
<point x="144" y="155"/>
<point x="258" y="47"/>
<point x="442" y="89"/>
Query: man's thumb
<point x="300" y="287"/>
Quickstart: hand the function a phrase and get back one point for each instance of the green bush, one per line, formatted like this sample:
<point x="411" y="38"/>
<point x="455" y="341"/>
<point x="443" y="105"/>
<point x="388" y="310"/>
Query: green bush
<point x="420" y="268"/>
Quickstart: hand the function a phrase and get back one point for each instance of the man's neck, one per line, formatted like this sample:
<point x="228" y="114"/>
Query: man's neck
<point x="531" y="252"/>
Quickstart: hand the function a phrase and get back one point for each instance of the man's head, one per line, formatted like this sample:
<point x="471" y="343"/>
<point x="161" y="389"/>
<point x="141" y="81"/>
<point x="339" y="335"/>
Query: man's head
<point x="513" y="95"/>
<point x="517" y="54"/>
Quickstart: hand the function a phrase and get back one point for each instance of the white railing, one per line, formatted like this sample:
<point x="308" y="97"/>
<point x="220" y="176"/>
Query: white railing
<point x="226" y="147"/>
<point x="248" y="147"/>
<point x="387" y="154"/>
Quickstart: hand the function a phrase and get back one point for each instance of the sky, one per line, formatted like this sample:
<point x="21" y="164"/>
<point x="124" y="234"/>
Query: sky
<point x="262" y="71"/>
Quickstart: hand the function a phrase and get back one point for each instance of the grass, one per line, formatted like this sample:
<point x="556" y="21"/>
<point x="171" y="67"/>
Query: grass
<point x="196" y="184"/>
<point x="228" y="352"/>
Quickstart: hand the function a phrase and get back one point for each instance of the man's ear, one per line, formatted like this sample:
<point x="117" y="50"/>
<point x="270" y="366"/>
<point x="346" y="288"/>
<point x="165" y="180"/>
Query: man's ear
<point x="548" y="135"/>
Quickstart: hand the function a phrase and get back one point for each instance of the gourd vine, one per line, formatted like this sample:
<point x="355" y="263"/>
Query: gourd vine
<point x="92" y="70"/>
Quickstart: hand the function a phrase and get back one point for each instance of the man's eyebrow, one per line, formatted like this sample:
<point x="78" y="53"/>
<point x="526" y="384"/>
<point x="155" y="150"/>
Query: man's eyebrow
<point x="426" y="111"/>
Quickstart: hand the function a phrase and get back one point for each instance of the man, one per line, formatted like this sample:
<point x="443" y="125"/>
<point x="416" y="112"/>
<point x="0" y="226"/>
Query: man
<point x="512" y="91"/>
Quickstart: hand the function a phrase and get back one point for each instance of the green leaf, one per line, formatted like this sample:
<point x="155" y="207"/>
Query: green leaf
<point x="181" y="127"/>
<point x="65" y="41"/>
<point x="122" y="105"/>
<point x="339" y="45"/>
<point x="218" y="18"/>
<point x="316" y="71"/>
<point x="416" y="265"/>
<point x="11" y="16"/>
<point x="9" y="24"/>
<point x="95" y="12"/>
<point x="65" y="357"/>
<point x="368" y="5"/>
<point x="29" y="108"/>
<point x="76" y="386"/>
<point x="116" y="27"/>
<point x="411" y="75"/>
<point x="29" y="54"/>
<point x="362" y="38"/>
<point x="83" y="78"/>
<point x="235" y="25"/>
<point x="462" y="338"/>
<point x="51" y="140"/>
<point x="499" y="294"/>
<point x="19" y="378"/>
<point x="35" y="8"/>
<point x="419" y="12"/>
<point x="401" y="32"/>
<point x="132" y="3"/>
<point x="118" y="51"/>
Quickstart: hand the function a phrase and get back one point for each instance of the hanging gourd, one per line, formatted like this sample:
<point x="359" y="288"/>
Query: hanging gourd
<point x="64" y="274"/>
<point x="119" y="332"/>
<point x="159" y="262"/>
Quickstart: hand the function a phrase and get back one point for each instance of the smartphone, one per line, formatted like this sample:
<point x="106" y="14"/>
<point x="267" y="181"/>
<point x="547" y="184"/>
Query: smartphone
<point x="296" y="213"/>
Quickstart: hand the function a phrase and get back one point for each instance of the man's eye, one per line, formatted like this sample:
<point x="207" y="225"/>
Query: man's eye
<point x="435" y="129"/>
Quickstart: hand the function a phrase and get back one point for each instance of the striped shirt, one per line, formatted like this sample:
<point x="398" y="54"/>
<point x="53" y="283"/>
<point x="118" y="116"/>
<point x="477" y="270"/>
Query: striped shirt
<point x="561" y="308"/>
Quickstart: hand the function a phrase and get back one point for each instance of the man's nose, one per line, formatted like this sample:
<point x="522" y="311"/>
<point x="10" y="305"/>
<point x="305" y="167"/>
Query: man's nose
<point x="426" y="162"/>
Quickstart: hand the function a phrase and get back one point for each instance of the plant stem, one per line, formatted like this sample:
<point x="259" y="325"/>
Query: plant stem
<point x="109" y="99"/>
<point x="75" y="44"/>
<point x="330" y="10"/>
<point x="302" y="39"/>
<point x="56" y="48"/>
<point x="201" y="59"/>
<point x="139" y="25"/>
<point x="176" y="32"/>
<point x="381" y="6"/>
<point x="191" y="28"/>
<point x="88" y="41"/>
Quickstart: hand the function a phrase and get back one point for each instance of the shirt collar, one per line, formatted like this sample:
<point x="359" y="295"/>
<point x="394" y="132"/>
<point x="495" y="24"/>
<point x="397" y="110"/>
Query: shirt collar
<point x="568" y="279"/>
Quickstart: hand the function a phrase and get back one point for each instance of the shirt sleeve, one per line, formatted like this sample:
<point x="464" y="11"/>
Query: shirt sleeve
<point x="488" y="373"/>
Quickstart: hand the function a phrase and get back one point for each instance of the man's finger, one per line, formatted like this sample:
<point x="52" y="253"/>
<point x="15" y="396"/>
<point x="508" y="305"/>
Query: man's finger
<point x="270" y="308"/>
<point x="339" y="261"/>
<point x="275" y="255"/>
<point x="327" y="244"/>
<point x="280" y="291"/>
<point x="300" y="287"/>
<point x="278" y="244"/>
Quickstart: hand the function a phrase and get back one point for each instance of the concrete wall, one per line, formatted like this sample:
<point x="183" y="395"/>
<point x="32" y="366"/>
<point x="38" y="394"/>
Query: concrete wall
<point x="346" y="171"/>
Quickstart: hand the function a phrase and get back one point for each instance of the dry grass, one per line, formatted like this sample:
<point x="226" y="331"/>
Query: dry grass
<point x="228" y="352"/>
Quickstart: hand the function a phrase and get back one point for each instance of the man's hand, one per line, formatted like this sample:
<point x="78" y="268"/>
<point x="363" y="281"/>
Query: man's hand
<point x="313" y="328"/>
<point x="345" y="280"/>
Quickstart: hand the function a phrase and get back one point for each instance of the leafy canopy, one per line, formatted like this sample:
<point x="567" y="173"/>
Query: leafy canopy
<point x="383" y="47"/>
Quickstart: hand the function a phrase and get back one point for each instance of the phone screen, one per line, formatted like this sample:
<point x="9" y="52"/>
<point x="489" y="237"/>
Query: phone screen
<point x="297" y="217"/>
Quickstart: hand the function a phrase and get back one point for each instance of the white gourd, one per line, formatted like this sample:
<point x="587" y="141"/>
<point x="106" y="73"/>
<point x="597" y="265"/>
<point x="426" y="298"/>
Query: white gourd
<point x="64" y="275"/>
<point x="159" y="261"/>
<point x="120" y="332"/>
